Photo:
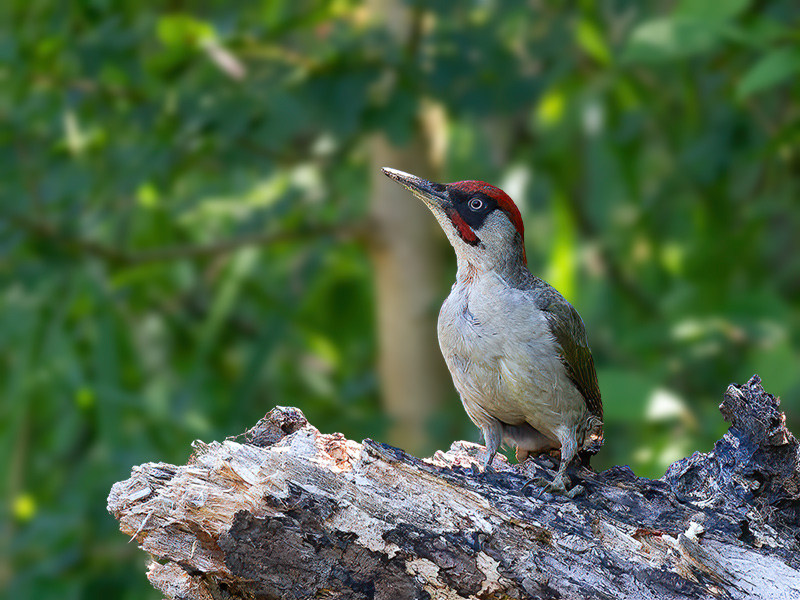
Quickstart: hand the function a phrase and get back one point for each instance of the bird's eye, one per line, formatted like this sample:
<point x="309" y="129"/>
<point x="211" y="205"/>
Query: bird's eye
<point x="476" y="204"/>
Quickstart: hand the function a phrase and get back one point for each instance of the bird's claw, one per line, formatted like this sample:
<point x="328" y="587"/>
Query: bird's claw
<point x="486" y="463"/>
<point x="539" y="482"/>
<point x="557" y="486"/>
<point x="575" y="491"/>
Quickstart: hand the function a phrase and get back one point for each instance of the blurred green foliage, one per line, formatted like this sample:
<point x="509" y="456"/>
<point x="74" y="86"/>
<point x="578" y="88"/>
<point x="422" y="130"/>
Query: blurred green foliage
<point x="183" y="189"/>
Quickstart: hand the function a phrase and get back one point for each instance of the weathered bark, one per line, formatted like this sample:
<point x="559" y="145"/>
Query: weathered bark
<point x="287" y="512"/>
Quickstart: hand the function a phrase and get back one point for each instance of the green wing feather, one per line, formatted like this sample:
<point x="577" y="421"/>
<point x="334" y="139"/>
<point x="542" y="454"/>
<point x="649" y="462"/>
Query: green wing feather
<point x="570" y="334"/>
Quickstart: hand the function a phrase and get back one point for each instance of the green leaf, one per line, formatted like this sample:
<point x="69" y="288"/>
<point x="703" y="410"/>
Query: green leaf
<point x="551" y="107"/>
<point x="773" y="68"/>
<point x="712" y="9"/>
<point x="561" y="268"/>
<point x="759" y="33"/>
<point x="176" y="30"/>
<point x="669" y="38"/>
<point x="590" y="39"/>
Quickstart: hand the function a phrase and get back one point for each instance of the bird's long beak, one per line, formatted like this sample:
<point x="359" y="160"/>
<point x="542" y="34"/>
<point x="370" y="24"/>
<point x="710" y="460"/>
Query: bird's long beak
<point x="437" y="198"/>
<point x="432" y="194"/>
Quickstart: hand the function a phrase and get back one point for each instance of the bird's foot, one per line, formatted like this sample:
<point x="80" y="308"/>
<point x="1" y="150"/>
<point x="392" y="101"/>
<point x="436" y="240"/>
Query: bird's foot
<point x="486" y="463"/>
<point x="557" y="486"/>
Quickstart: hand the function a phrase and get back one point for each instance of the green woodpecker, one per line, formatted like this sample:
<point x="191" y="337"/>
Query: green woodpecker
<point x="517" y="350"/>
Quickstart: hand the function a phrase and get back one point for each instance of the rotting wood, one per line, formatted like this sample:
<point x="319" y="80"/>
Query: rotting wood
<point x="284" y="511"/>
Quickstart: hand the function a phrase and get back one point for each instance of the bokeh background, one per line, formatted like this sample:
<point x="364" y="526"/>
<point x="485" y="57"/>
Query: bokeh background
<point x="193" y="228"/>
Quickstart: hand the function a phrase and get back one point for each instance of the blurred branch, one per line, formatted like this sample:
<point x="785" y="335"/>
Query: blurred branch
<point x="358" y="230"/>
<point x="414" y="33"/>
<point x="277" y="53"/>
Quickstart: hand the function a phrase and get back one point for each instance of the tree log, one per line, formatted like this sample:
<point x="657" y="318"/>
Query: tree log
<point x="283" y="511"/>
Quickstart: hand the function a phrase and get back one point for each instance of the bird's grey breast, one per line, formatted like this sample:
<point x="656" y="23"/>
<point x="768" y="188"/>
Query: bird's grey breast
<point x="481" y="323"/>
<point x="464" y="326"/>
<point x="500" y="351"/>
<point x="456" y="325"/>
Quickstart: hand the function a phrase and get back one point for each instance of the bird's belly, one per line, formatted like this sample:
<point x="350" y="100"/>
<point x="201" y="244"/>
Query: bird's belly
<point x="507" y="371"/>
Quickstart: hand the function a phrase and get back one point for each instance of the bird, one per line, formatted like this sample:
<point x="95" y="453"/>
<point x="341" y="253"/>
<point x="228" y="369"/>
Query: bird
<point x="517" y="350"/>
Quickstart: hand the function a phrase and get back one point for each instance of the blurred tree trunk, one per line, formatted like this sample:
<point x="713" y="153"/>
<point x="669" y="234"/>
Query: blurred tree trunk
<point x="408" y="262"/>
<point x="408" y="258"/>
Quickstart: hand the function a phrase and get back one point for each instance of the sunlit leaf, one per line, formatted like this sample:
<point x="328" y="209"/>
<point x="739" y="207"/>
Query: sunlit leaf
<point x="590" y="38"/>
<point x="147" y="195"/>
<point x="666" y="405"/>
<point x="24" y="507"/>
<point x="669" y="38"/>
<point x="84" y="398"/>
<point x="550" y="108"/>
<point x="175" y="30"/>
<point x="561" y="267"/>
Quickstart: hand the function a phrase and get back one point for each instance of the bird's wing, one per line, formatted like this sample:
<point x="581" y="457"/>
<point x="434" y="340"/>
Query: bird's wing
<point x="570" y="334"/>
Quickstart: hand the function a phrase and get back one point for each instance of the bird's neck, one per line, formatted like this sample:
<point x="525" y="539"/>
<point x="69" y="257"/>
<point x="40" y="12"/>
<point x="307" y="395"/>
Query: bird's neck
<point x="509" y="267"/>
